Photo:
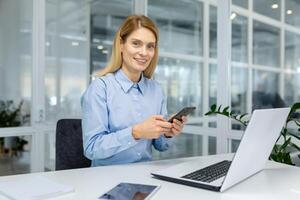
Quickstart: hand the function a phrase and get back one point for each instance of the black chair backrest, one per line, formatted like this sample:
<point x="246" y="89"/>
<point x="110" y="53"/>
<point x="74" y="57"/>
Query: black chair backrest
<point x="69" y="148"/>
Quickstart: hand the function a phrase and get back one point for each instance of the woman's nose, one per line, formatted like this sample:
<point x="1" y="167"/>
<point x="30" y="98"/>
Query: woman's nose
<point x="143" y="51"/>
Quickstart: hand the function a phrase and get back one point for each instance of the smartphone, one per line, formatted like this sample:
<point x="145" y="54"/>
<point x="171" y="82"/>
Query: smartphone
<point x="131" y="191"/>
<point x="184" y="112"/>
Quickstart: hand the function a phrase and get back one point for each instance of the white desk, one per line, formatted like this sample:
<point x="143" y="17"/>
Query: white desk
<point x="277" y="181"/>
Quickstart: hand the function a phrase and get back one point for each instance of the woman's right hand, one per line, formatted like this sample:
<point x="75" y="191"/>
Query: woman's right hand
<point x="151" y="128"/>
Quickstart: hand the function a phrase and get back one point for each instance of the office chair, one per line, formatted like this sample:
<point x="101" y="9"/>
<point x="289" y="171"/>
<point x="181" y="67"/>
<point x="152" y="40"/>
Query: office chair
<point x="69" y="148"/>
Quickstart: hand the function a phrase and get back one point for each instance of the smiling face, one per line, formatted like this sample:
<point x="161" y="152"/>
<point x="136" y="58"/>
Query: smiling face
<point x="137" y="52"/>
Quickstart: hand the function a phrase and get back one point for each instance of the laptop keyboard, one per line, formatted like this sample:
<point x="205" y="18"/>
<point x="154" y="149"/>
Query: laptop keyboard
<point x="210" y="173"/>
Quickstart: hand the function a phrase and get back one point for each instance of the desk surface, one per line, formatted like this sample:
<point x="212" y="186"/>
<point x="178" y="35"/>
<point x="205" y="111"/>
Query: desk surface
<point x="277" y="181"/>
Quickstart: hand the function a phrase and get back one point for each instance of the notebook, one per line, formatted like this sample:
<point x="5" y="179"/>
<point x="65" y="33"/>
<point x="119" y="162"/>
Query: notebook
<point x="33" y="188"/>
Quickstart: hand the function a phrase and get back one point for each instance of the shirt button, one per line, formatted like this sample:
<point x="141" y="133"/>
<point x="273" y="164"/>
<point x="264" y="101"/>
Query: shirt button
<point x="139" y="154"/>
<point x="129" y="143"/>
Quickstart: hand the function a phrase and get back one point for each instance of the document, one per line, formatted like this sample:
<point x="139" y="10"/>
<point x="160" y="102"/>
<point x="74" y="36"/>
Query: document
<point x="33" y="188"/>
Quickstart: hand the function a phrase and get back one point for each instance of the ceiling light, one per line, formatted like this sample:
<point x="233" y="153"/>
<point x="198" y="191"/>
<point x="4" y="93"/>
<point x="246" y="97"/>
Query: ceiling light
<point x="75" y="43"/>
<point x="275" y="6"/>
<point x="100" y="47"/>
<point x="289" y="12"/>
<point x="105" y="52"/>
<point x="53" y="101"/>
<point x="232" y="16"/>
<point x="298" y="69"/>
<point x="47" y="44"/>
<point x="95" y="40"/>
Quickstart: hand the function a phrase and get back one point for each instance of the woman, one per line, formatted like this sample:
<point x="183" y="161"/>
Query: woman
<point x="123" y="109"/>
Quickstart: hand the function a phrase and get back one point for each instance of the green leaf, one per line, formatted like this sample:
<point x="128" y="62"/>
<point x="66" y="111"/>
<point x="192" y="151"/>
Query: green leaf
<point x="275" y="148"/>
<point x="208" y="113"/>
<point x="225" y="111"/>
<point x="287" y="159"/>
<point x="295" y="146"/>
<point x="295" y="107"/>
<point x="243" y="115"/>
<point x="274" y="157"/>
<point x="296" y="122"/>
<point x="213" y="107"/>
<point x="219" y="109"/>
<point x="284" y="131"/>
<point x="292" y="134"/>
<point x="285" y="144"/>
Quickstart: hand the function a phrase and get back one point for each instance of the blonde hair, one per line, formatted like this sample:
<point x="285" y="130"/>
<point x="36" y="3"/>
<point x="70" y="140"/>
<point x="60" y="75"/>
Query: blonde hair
<point x="131" y="23"/>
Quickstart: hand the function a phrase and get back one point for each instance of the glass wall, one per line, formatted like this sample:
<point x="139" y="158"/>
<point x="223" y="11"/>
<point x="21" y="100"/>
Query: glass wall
<point x="77" y="44"/>
<point x="269" y="78"/>
<point x="66" y="57"/>
<point x="177" y="73"/>
<point x="15" y="155"/>
<point x="16" y="57"/>
<point x="182" y="71"/>
<point x="15" y="84"/>
<point x="105" y="19"/>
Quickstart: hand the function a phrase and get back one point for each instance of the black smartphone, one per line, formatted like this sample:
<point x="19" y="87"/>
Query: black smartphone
<point x="184" y="112"/>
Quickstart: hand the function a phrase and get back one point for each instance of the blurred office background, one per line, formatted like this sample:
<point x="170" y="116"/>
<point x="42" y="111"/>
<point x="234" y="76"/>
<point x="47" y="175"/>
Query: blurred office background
<point x="49" y="50"/>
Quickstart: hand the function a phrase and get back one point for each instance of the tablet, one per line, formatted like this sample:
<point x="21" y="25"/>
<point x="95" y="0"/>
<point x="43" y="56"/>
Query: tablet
<point x="130" y="191"/>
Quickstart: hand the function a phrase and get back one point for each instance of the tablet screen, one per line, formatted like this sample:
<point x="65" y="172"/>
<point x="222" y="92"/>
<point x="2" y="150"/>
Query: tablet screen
<point x="130" y="191"/>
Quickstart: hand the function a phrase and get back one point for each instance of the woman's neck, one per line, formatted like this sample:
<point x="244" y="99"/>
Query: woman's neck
<point x="133" y="76"/>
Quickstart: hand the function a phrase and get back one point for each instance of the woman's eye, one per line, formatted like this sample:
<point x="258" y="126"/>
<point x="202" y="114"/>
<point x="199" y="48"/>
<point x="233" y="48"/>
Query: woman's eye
<point x="135" y="43"/>
<point x="151" y="46"/>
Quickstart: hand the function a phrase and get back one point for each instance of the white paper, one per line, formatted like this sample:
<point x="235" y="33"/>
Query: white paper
<point x="33" y="188"/>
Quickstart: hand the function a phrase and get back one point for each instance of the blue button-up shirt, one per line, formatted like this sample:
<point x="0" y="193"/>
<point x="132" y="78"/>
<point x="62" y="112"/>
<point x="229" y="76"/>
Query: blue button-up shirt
<point x="111" y="106"/>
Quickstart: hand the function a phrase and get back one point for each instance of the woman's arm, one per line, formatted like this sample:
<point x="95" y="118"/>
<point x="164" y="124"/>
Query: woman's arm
<point x="98" y="141"/>
<point x="162" y="143"/>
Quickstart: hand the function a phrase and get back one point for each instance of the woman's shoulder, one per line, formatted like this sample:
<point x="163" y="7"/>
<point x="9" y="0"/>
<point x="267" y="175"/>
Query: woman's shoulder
<point x="103" y="80"/>
<point x="151" y="81"/>
<point x="153" y="84"/>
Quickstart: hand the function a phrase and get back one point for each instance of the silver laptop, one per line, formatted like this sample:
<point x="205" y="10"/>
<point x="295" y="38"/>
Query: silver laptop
<point x="253" y="152"/>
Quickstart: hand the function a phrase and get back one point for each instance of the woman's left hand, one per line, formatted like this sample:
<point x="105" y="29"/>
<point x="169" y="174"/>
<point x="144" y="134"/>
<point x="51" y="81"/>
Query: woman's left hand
<point x="177" y="127"/>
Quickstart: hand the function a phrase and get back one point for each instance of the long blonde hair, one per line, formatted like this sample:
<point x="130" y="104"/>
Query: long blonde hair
<point x="131" y="23"/>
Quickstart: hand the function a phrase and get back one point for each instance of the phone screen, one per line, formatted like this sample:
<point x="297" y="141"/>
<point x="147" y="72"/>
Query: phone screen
<point x="184" y="112"/>
<point x="130" y="191"/>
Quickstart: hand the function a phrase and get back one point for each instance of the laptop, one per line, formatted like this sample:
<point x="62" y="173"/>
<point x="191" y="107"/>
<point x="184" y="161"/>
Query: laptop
<point x="254" y="150"/>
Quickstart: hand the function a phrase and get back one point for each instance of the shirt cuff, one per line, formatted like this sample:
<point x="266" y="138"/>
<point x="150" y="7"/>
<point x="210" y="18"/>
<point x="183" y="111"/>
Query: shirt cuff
<point x="126" y="137"/>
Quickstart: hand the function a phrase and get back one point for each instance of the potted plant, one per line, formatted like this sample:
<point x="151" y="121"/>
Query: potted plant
<point x="284" y="145"/>
<point x="10" y="116"/>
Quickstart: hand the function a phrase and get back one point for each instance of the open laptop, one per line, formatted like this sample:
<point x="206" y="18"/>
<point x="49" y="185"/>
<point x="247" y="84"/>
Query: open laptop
<point x="253" y="152"/>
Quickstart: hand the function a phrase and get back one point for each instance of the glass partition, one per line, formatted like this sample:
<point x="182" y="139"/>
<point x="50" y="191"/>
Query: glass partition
<point x="66" y="57"/>
<point x="269" y="8"/>
<point x="175" y="22"/>
<point x="266" y="44"/>
<point x="105" y="19"/>
<point x="15" y="85"/>
<point x="15" y="155"/>
<point x="292" y="12"/>
<point x="241" y="3"/>
<point x="176" y="77"/>
<point x="16" y="59"/>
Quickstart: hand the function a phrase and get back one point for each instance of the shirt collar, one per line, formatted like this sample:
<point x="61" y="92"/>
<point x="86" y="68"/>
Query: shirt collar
<point x="127" y="84"/>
